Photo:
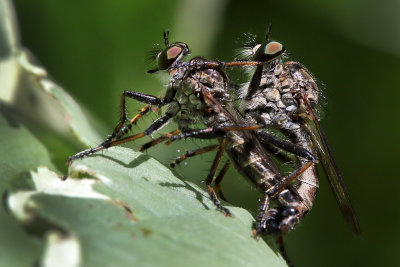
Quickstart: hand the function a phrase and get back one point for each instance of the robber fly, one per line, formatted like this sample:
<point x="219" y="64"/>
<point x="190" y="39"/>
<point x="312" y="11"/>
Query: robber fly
<point x="190" y="100"/>
<point x="284" y="97"/>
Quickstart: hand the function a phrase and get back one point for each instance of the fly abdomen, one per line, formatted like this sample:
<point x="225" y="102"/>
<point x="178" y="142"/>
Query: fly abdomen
<point x="286" y="215"/>
<point x="252" y="164"/>
<point x="292" y="210"/>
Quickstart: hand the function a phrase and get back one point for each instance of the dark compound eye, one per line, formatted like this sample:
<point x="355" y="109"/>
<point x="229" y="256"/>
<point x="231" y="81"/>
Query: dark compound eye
<point x="268" y="51"/>
<point x="171" y="54"/>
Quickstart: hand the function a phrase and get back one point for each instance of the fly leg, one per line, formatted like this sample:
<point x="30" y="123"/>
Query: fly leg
<point x="211" y="173"/>
<point x="270" y="139"/>
<point x="279" y="154"/>
<point x="192" y="153"/>
<point x="219" y="178"/>
<point x="282" y="249"/>
<point x="221" y="174"/>
<point x="278" y="187"/>
<point x="263" y="218"/>
<point x="120" y="130"/>
<point x="269" y="220"/>
<point x="202" y="150"/>
<point x="156" y="125"/>
<point x="210" y="177"/>
<point x="188" y="154"/>
<point x="212" y="132"/>
<point x="161" y="139"/>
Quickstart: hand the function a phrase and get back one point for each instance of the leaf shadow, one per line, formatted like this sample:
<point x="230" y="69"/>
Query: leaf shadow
<point x="142" y="158"/>
<point x="187" y="186"/>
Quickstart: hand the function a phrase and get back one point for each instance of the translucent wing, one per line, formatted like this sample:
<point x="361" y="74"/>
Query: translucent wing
<point x="230" y="111"/>
<point x="325" y="156"/>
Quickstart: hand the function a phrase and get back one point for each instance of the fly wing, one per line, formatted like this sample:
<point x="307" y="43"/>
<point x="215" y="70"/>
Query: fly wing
<point x="325" y="156"/>
<point x="230" y="111"/>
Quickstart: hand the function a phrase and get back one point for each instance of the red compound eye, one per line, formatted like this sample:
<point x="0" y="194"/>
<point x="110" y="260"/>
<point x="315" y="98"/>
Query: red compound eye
<point x="173" y="52"/>
<point x="273" y="48"/>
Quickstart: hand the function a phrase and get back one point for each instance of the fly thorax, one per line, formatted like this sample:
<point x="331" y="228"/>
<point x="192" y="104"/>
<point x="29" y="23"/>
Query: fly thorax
<point x="187" y="105"/>
<point x="188" y="94"/>
<point x="300" y="80"/>
<point x="192" y="108"/>
<point x="211" y="78"/>
<point x="216" y="83"/>
<point x="274" y="102"/>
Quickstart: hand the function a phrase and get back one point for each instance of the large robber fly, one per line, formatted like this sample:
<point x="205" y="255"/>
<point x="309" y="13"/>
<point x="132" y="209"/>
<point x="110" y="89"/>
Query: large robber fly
<point x="284" y="96"/>
<point x="199" y="93"/>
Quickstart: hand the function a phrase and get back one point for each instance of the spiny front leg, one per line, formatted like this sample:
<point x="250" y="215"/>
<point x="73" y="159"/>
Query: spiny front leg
<point x="155" y="126"/>
<point x="120" y="130"/>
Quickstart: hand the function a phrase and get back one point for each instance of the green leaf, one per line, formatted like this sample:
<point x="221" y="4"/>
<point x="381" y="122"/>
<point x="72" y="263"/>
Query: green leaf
<point x="19" y="153"/>
<point x="59" y="109"/>
<point x="27" y="86"/>
<point x="132" y="211"/>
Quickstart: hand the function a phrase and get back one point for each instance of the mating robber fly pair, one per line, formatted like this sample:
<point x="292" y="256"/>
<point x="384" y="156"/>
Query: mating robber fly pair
<point x="281" y="96"/>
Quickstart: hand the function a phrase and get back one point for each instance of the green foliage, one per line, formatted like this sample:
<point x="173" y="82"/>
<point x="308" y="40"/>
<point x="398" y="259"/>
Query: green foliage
<point x="19" y="153"/>
<point x="96" y="50"/>
<point x="128" y="210"/>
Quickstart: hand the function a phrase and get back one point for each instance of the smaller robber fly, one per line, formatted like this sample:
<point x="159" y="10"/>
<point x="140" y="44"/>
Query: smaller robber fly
<point x="284" y="97"/>
<point x="197" y="94"/>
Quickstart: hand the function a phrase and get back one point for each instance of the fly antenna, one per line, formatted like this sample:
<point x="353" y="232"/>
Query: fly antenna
<point x="153" y="70"/>
<point x="166" y="34"/>
<point x="268" y="32"/>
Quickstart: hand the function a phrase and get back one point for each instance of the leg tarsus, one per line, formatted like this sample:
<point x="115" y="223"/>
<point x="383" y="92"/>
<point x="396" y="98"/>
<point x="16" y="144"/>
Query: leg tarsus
<point x="156" y="125"/>
<point x="219" y="178"/>
<point x="210" y="177"/>
<point x="260" y="222"/>
<point x="216" y="202"/>
<point x="84" y="153"/>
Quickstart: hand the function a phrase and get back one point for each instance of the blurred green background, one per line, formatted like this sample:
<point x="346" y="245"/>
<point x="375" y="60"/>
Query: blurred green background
<point x="97" y="49"/>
